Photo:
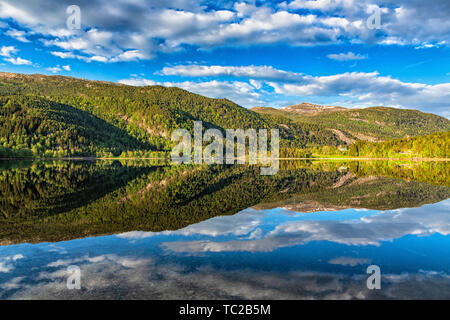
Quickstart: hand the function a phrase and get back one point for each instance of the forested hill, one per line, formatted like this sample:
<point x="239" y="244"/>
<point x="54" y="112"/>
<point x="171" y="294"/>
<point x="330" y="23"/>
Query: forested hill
<point x="46" y="115"/>
<point x="63" y="116"/>
<point x="369" y="124"/>
<point x="436" y="145"/>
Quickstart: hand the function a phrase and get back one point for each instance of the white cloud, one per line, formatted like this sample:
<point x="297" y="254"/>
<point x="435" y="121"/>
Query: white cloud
<point x="97" y="58"/>
<point x="138" y="82"/>
<point x="54" y="69"/>
<point x="18" y="61"/>
<point x="346" y="56"/>
<point x="256" y="84"/>
<point x="7" y="51"/>
<point x="254" y="72"/>
<point x="128" y="31"/>
<point x="131" y="55"/>
<point x="322" y="5"/>
<point x="59" y="68"/>
<point x="17" y="34"/>
<point x="24" y="15"/>
<point x="63" y="55"/>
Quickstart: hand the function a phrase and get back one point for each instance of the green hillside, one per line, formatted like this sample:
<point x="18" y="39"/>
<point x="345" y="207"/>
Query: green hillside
<point x="40" y="125"/>
<point x="57" y="116"/>
<point x="100" y="118"/>
<point x="369" y="124"/>
<point x="436" y="145"/>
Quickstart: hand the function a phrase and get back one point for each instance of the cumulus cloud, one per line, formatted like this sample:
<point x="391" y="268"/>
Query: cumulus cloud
<point x="136" y="30"/>
<point x="17" y="34"/>
<point x="9" y="52"/>
<point x="321" y="5"/>
<point x="18" y="61"/>
<point x="59" y="68"/>
<point x="54" y="69"/>
<point x="254" y="72"/>
<point x="346" y="56"/>
<point x="70" y="55"/>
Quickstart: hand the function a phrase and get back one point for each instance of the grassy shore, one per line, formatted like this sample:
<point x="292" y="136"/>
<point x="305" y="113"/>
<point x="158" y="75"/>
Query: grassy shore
<point x="319" y="157"/>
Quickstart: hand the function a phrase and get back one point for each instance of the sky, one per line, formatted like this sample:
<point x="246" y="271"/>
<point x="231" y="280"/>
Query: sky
<point x="256" y="53"/>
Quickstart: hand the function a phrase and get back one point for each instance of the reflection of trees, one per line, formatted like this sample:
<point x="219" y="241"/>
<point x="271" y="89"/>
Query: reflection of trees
<point x="64" y="200"/>
<point x="433" y="172"/>
<point x="43" y="189"/>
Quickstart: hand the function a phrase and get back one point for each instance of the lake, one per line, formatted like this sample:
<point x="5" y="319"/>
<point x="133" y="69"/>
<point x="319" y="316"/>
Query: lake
<point x="140" y="229"/>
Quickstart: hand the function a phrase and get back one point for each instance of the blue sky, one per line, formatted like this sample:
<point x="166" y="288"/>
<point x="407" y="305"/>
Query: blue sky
<point x="254" y="53"/>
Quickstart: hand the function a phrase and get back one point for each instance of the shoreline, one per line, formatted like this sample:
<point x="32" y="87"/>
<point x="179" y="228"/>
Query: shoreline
<point x="318" y="158"/>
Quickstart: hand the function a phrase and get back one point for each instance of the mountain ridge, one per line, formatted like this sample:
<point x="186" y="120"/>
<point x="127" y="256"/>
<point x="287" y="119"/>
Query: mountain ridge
<point x="307" y="108"/>
<point x="147" y="114"/>
<point x="373" y="124"/>
<point x="140" y="119"/>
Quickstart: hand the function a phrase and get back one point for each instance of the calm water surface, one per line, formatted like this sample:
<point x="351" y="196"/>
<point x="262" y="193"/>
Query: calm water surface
<point x="140" y="231"/>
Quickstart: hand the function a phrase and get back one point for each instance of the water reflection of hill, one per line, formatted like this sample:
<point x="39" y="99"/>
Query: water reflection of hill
<point x="52" y="201"/>
<point x="369" y="192"/>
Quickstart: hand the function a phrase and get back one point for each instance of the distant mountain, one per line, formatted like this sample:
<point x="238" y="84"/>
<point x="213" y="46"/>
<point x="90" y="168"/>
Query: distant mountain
<point x="368" y="124"/>
<point x="306" y="108"/>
